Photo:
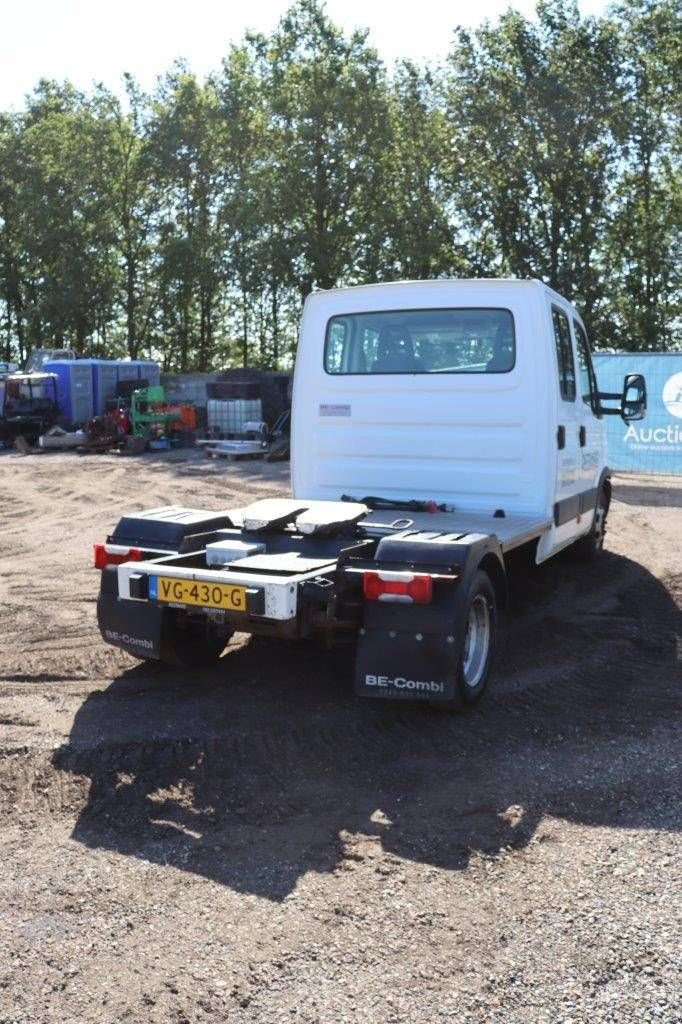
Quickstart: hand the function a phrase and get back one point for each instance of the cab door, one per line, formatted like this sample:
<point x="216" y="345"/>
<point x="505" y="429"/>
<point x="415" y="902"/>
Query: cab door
<point x="592" y="436"/>
<point x="569" y="524"/>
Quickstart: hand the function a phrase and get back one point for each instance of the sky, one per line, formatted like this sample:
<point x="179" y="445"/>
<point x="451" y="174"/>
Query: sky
<point x="93" y="40"/>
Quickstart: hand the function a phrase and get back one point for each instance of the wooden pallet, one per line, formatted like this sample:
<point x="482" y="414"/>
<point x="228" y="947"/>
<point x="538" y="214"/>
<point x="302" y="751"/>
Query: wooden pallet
<point x="221" y="451"/>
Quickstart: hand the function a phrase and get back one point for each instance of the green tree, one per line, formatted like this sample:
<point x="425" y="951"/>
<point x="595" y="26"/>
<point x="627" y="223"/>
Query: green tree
<point x="65" y="223"/>
<point x="325" y="100"/>
<point x="182" y="146"/>
<point x="530" y="107"/>
<point x="245" y="207"/>
<point x="408" y="218"/>
<point x="190" y="224"/>
<point x="126" y="178"/>
<point x="643" y="244"/>
<point x="11" y="269"/>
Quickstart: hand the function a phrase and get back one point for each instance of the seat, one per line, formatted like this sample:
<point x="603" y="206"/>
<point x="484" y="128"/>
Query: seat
<point x="395" y="352"/>
<point x="502" y="359"/>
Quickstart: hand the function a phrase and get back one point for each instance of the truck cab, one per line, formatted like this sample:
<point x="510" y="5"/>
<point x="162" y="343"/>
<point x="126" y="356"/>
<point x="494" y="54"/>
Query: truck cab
<point x="28" y="405"/>
<point x="436" y="427"/>
<point x="480" y="394"/>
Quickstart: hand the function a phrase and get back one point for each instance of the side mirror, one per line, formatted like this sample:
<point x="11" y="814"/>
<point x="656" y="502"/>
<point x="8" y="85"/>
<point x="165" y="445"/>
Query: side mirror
<point x="633" y="403"/>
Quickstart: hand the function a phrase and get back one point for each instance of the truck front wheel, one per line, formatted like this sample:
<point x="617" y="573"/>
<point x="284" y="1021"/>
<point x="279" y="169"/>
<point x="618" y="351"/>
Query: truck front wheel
<point x="590" y="547"/>
<point x="476" y="646"/>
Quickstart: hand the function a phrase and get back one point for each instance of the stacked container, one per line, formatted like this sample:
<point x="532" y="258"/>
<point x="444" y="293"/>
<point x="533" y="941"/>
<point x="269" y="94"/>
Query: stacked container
<point x="104" y="381"/>
<point x="74" y="388"/>
<point x="128" y="370"/>
<point x="150" y="371"/>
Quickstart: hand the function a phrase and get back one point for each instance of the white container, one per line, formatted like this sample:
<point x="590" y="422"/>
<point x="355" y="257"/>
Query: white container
<point x="231" y="415"/>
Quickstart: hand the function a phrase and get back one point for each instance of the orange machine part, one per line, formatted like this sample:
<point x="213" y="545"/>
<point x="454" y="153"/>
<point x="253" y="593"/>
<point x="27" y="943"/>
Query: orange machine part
<point x="188" y="417"/>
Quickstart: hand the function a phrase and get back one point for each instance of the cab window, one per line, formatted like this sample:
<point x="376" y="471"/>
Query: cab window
<point x="586" y="378"/>
<point x="564" y="354"/>
<point x="412" y="341"/>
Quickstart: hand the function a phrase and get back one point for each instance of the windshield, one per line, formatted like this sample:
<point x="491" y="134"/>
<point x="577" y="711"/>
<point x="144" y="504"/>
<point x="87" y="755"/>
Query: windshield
<point x="421" y="341"/>
<point x="40" y="356"/>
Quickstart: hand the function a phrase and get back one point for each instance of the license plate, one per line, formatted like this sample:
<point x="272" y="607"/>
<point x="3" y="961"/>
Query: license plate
<point x="172" y="590"/>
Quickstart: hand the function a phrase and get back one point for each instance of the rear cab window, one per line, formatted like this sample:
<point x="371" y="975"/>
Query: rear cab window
<point x="564" y="353"/>
<point x="417" y="341"/>
<point x="586" y="376"/>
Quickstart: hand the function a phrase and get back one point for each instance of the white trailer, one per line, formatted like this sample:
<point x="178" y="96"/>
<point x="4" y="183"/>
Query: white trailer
<point x="436" y="426"/>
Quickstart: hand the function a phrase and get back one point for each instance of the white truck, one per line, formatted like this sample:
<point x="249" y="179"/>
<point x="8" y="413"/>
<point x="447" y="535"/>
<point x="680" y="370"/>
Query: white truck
<point x="436" y="427"/>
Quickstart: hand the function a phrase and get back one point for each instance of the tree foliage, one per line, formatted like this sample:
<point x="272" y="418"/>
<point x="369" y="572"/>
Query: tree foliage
<point x="189" y="224"/>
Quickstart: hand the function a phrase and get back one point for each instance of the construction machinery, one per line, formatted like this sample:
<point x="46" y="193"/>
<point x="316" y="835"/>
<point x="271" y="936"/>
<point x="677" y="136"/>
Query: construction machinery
<point x="149" y="413"/>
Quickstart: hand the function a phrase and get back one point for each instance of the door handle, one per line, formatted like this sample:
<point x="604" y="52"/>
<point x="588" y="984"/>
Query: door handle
<point x="582" y="436"/>
<point x="561" y="437"/>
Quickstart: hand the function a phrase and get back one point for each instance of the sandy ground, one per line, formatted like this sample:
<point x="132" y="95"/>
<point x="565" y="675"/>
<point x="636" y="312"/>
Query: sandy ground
<point x="252" y="843"/>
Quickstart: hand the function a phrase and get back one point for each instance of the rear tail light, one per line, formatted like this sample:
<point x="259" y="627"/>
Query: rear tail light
<point x="114" y="554"/>
<point x="405" y="587"/>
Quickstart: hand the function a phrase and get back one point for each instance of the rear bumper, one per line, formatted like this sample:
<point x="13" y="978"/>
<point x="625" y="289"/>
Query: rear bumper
<point x="144" y="628"/>
<point x="276" y="597"/>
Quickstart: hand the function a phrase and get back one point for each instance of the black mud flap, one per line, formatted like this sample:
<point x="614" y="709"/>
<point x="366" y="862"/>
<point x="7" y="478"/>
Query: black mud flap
<point x="414" y="651"/>
<point x="135" y="626"/>
<point x="400" y="667"/>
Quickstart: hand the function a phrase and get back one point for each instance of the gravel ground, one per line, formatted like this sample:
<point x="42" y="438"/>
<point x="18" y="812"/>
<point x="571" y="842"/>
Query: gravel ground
<point x="252" y="843"/>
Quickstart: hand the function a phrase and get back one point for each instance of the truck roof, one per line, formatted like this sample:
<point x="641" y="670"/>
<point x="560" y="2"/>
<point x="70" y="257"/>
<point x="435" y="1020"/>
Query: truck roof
<point x="36" y="376"/>
<point x="484" y="285"/>
<point x="438" y="281"/>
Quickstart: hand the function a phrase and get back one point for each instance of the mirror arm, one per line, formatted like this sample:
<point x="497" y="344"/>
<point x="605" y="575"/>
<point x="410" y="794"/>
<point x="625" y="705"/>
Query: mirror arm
<point x="609" y="396"/>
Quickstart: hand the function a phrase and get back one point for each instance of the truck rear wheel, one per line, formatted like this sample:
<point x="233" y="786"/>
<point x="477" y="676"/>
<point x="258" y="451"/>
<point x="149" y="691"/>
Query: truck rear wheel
<point x="187" y="643"/>
<point x="475" y="644"/>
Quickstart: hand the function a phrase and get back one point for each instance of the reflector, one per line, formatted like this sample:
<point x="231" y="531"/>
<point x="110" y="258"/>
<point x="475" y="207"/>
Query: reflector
<point x="415" y="589"/>
<point x="102" y="558"/>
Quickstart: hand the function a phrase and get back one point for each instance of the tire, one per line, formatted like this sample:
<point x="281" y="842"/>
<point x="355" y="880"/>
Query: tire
<point x="477" y="642"/>
<point x="591" y="546"/>
<point x="190" y="643"/>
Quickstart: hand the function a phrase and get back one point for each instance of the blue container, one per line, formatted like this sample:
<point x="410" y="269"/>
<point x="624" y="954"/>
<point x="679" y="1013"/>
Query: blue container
<point x="104" y="381"/>
<point x="149" y="371"/>
<point x="74" y="388"/>
<point x="128" y="369"/>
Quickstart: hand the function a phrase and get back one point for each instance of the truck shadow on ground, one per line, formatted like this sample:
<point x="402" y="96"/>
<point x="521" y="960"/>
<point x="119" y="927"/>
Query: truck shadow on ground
<point x="668" y="497"/>
<point x="267" y="767"/>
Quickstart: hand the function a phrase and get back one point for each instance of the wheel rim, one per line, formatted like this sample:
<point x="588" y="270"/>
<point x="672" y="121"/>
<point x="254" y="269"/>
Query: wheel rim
<point x="476" y="641"/>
